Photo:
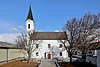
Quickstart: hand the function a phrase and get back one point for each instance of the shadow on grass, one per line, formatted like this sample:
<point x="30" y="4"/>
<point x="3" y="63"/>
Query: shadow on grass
<point x="20" y="64"/>
<point x="76" y="64"/>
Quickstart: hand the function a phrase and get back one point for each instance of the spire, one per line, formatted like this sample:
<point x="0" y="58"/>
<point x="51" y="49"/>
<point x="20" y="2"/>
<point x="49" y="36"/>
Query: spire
<point x="30" y="16"/>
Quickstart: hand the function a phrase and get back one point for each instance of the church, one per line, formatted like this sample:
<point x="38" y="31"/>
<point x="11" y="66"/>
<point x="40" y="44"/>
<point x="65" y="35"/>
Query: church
<point x="50" y="47"/>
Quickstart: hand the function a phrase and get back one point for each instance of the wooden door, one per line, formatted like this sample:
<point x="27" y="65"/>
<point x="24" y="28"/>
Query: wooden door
<point x="49" y="56"/>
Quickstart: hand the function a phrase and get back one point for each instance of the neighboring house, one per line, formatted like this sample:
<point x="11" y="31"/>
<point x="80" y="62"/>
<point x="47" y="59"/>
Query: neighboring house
<point x="98" y="54"/>
<point x="93" y="54"/>
<point x="9" y="51"/>
<point x="48" y="40"/>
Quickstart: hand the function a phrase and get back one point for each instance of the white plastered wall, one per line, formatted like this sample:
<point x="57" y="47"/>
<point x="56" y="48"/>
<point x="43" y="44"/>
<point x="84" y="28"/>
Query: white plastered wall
<point x="43" y="47"/>
<point x="31" y="25"/>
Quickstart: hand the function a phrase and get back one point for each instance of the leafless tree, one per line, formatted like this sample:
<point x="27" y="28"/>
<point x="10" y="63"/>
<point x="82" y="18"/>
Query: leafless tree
<point x="55" y="51"/>
<point x="82" y="32"/>
<point x="27" y="42"/>
<point x="71" y="30"/>
<point x="65" y="43"/>
<point x="88" y="27"/>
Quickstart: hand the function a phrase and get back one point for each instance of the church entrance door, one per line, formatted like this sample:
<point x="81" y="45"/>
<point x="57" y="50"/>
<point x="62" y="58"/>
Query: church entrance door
<point x="49" y="56"/>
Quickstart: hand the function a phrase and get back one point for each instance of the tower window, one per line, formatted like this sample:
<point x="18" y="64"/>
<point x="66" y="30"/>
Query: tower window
<point x="60" y="54"/>
<point x="49" y="45"/>
<point x="28" y="26"/>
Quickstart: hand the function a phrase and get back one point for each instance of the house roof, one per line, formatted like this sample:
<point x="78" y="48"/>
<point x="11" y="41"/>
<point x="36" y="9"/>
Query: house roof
<point x="98" y="47"/>
<point x="50" y="36"/>
<point x="94" y="46"/>
<point x="5" y="45"/>
<point x="30" y="16"/>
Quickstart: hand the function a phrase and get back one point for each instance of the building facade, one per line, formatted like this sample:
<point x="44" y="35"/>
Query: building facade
<point x="49" y="45"/>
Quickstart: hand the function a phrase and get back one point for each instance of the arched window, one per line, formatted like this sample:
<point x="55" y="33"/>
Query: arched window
<point x="37" y="45"/>
<point x="60" y="54"/>
<point x="60" y="45"/>
<point x="49" y="45"/>
<point x="28" y="26"/>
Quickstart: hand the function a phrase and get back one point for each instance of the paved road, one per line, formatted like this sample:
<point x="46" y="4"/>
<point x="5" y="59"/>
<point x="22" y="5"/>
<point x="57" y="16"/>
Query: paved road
<point x="47" y="63"/>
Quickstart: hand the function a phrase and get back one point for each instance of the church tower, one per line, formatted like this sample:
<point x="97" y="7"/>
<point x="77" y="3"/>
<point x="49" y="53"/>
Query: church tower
<point x="29" y="22"/>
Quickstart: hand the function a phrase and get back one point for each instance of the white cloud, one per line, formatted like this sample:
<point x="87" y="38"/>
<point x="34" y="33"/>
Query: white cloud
<point x="21" y="27"/>
<point x="9" y="27"/>
<point x="14" y="29"/>
<point x="56" y="31"/>
<point x="5" y="37"/>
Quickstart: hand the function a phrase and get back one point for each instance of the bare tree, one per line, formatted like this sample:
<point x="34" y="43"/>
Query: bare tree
<point x="55" y="51"/>
<point x="65" y="44"/>
<point x="88" y="28"/>
<point x="70" y="31"/>
<point x="27" y="42"/>
<point x="81" y="32"/>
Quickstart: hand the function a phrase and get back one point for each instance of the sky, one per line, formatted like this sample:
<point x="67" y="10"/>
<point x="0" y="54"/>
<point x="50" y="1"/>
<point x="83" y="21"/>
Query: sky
<point x="49" y="15"/>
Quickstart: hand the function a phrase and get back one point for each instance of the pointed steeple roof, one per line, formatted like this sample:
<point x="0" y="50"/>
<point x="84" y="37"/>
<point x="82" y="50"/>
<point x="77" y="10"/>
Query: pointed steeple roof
<point x="30" y="16"/>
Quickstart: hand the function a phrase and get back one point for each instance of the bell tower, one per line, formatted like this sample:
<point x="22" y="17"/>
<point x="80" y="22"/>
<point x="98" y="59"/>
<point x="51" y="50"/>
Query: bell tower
<point x="29" y="21"/>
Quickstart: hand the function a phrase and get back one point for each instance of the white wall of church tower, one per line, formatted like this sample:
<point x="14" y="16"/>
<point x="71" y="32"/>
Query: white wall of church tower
<point x="29" y="25"/>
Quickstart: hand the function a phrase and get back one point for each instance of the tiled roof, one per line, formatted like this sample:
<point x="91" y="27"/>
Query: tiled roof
<point x="98" y="47"/>
<point x="5" y="45"/>
<point x="91" y="46"/>
<point x="50" y="36"/>
<point x="94" y="46"/>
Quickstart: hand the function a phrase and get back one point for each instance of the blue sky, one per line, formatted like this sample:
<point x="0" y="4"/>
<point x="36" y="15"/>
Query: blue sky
<point x="49" y="15"/>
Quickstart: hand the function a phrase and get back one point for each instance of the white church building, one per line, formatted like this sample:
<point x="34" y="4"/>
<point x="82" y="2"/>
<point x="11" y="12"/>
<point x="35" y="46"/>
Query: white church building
<point x="50" y="47"/>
